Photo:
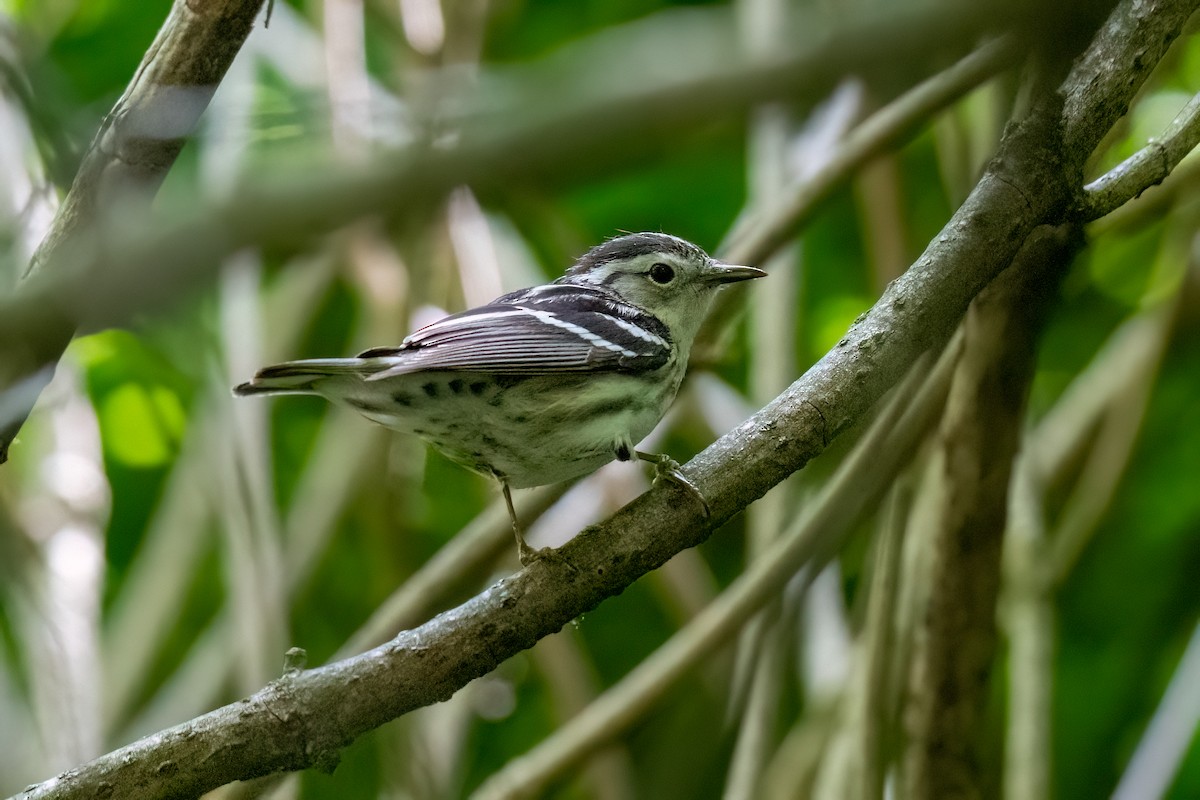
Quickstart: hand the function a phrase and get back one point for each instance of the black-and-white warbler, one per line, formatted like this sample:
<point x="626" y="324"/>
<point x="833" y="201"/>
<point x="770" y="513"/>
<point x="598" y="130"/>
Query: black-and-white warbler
<point x="543" y="384"/>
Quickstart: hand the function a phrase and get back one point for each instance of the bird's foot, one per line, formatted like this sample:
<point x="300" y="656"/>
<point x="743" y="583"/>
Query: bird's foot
<point x="667" y="468"/>
<point x="528" y="556"/>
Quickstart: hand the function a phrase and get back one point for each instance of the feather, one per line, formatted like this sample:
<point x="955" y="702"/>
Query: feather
<point x="300" y="377"/>
<point x="546" y="329"/>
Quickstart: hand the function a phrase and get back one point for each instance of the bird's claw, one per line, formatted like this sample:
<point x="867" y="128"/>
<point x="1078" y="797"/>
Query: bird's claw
<point x="667" y="468"/>
<point x="528" y="556"/>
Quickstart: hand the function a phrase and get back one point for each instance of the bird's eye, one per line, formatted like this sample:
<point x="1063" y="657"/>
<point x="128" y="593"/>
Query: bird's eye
<point x="662" y="273"/>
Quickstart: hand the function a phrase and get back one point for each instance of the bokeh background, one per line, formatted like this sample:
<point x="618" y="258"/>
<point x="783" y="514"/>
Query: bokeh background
<point x="162" y="546"/>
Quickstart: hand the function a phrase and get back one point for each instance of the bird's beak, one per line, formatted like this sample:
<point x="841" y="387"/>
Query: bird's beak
<point x="731" y="273"/>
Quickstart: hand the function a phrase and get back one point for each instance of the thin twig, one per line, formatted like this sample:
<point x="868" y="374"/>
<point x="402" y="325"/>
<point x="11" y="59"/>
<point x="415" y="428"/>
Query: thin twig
<point x="760" y="236"/>
<point x="853" y="765"/>
<point x="1172" y="730"/>
<point x="881" y="131"/>
<point x="1109" y="454"/>
<point x="1028" y="621"/>
<point x="1145" y="168"/>
<point x="1176" y="190"/>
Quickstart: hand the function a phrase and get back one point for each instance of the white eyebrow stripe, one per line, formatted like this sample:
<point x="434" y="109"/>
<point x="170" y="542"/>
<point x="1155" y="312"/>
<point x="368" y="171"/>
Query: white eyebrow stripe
<point x="639" y="331"/>
<point x="580" y="331"/>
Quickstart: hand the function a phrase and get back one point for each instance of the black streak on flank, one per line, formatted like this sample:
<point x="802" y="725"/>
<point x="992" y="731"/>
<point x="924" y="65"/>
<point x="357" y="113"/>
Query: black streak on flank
<point x="478" y="387"/>
<point x="430" y="389"/>
<point x="457" y="385"/>
<point x="402" y="398"/>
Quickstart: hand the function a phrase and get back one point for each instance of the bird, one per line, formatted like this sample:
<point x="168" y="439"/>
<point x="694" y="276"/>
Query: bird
<point x="542" y="384"/>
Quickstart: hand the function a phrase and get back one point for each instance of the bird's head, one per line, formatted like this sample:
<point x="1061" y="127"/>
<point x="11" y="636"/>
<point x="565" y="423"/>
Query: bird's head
<point x="664" y="275"/>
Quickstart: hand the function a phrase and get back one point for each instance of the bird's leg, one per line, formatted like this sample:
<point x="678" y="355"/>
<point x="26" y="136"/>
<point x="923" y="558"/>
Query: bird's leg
<point x="525" y="554"/>
<point x="665" y="467"/>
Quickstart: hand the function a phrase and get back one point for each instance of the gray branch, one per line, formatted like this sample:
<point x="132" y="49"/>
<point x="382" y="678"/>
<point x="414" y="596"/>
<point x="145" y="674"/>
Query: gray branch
<point x="304" y="719"/>
<point x="1145" y="168"/>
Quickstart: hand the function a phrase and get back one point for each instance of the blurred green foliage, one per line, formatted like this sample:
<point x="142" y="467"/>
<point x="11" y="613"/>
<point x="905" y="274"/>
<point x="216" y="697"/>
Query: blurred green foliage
<point x="1125" y="612"/>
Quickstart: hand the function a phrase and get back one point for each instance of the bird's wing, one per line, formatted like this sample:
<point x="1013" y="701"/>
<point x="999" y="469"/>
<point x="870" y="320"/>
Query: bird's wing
<point x="548" y="329"/>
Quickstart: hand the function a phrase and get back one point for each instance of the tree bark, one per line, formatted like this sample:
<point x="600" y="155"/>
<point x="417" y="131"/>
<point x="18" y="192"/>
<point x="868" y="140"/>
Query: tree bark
<point x="306" y="717"/>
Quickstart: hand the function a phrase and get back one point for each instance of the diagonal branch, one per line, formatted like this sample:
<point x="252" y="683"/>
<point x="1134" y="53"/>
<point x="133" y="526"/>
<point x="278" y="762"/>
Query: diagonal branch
<point x="1146" y="167"/>
<point x="305" y="718"/>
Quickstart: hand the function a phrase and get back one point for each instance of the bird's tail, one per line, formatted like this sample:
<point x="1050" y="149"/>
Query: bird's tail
<point x="300" y="377"/>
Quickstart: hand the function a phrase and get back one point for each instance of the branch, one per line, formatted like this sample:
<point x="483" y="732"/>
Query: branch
<point x="1145" y="168"/>
<point x="978" y="440"/>
<point x="755" y="240"/>
<point x="1027" y="616"/>
<point x="304" y="719"/>
<point x="136" y="145"/>
<point x="764" y="234"/>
